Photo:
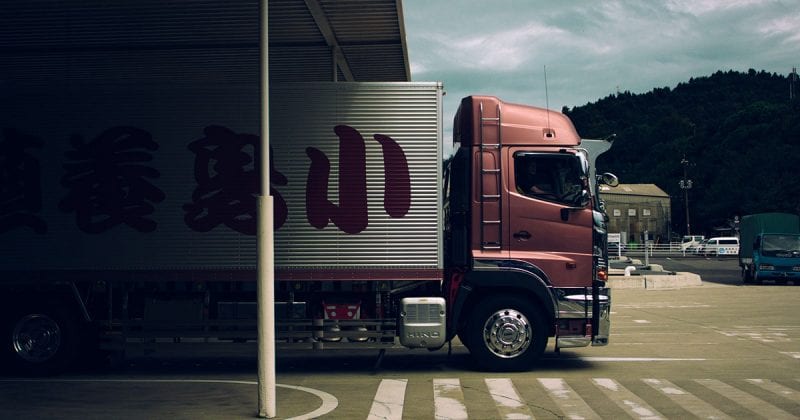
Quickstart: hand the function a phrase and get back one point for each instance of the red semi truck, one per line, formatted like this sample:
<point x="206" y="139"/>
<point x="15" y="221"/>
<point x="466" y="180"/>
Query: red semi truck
<point x="130" y="222"/>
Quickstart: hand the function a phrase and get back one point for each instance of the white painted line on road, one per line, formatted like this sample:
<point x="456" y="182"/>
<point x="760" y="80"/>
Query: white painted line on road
<point x="508" y="401"/>
<point x="329" y="402"/>
<point x="777" y="389"/>
<point x="573" y="406"/>
<point x="746" y="400"/>
<point x="641" y="321"/>
<point x="626" y="400"/>
<point x="686" y="400"/>
<point x="792" y="354"/>
<point x="389" y="399"/>
<point x="448" y="400"/>
<point x="640" y="359"/>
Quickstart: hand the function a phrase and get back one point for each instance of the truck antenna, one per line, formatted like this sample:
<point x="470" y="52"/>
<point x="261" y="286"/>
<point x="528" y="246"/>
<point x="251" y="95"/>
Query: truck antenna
<point x="549" y="132"/>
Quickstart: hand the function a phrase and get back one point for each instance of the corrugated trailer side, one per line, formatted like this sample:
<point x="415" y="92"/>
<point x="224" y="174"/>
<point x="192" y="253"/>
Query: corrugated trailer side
<point x="136" y="213"/>
<point x="187" y="167"/>
<point x="360" y="168"/>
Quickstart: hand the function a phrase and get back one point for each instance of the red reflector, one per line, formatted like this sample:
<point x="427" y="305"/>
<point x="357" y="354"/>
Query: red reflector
<point x="602" y="275"/>
<point x="588" y="330"/>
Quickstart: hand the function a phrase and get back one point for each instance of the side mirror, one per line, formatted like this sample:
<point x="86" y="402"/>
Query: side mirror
<point x="757" y="243"/>
<point x="609" y="179"/>
<point x="584" y="198"/>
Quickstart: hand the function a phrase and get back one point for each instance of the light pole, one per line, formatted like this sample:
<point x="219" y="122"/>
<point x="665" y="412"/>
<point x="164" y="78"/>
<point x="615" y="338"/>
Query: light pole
<point x="686" y="185"/>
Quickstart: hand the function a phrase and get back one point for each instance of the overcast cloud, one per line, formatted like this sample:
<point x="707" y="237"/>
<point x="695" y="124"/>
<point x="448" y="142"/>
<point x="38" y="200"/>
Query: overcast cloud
<point x="592" y="48"/>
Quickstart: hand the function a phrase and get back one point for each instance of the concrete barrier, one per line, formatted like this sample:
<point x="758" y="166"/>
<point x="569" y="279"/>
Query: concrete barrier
<point x="661" y="280"/>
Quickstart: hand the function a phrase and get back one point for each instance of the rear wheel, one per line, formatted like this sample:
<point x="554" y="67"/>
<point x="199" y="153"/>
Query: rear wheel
<point x="506" y="333"/>
<point x="40" y="340"/>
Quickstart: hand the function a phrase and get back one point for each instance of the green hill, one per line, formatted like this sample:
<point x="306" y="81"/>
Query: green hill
<point x="740" y="133"/>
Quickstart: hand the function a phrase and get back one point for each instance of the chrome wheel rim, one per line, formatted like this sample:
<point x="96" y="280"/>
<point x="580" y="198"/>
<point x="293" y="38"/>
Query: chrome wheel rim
<point x="507" y="333"/>
<point x="36" y="338"/>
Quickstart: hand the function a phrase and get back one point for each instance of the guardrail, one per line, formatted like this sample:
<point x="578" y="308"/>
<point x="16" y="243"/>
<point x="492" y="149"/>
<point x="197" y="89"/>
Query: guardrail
<point x="668" y="249"/>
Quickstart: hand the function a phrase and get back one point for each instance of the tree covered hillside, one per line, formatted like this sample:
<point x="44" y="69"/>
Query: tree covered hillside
<point x="740" y="133"/>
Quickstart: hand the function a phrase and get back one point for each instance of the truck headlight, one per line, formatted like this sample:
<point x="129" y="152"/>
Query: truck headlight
<point x="766" y="267"/>
<point x="796" y="268"/>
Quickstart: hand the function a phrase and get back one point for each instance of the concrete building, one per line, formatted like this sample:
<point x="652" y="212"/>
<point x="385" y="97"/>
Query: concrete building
<point x="634" y="209"/>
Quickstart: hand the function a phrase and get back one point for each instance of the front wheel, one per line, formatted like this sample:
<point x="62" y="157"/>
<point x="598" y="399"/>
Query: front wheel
<point x="506" y="333"/>
<point x="747" y="275"/>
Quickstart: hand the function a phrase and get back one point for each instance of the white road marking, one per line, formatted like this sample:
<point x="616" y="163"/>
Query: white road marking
<point x="508" y="401"/>
<point x="777" y="389"/>
<point x="389" y="399"/>
<point x="329" y="402"/>
<point x="626" y="400"/>
<point x="744" y="399"/>
<point x="686" y="400"/>
<point x="641" y="321"/>
<point x="640" y="359"/>
<point x="792" y="354"/>
<point x="572" y="405"/>
<point x="759" y="333"/>
<point x="448" y="400"/>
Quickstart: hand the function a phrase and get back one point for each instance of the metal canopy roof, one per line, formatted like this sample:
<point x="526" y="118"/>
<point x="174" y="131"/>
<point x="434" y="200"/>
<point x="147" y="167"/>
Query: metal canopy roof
<point x="310" y="40"/>
<point x="365" y="38"/>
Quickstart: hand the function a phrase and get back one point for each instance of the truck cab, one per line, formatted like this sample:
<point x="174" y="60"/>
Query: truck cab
<point x="527" y="236"/>
<point x="770" y="247"/>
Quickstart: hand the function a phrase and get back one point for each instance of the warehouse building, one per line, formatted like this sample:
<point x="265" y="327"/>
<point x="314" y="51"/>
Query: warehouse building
<point x="634" y="209"/>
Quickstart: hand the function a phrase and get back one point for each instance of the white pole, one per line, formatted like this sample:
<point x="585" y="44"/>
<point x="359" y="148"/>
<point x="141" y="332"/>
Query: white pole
<point x="266" y="311"/>
<point x="266" y="250"/>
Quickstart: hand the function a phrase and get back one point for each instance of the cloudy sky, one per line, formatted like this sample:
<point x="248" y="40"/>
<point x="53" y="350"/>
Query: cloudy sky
<point x="592" y="48"/>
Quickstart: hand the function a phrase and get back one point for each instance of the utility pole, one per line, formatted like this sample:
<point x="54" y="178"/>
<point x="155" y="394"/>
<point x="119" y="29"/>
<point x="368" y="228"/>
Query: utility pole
<point x="686" y="185"/>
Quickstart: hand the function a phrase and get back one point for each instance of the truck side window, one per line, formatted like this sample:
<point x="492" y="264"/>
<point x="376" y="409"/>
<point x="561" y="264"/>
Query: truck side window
<point x="551" y="177"/>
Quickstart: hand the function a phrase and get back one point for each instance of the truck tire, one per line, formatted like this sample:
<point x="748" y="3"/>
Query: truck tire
<point x="40" y="340"/>
<point x="747" y="275"/>
<point x="506" y="333"/>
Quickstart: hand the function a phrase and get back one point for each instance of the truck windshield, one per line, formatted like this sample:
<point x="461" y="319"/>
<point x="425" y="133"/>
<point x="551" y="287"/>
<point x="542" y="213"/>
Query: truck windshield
<point x="774" y="245"/>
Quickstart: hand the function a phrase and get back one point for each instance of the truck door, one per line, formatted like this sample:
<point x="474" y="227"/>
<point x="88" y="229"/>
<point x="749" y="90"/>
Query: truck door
<point x="549" y="215"/>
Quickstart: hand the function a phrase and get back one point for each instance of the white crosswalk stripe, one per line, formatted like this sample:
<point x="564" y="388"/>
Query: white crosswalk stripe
<point x="568" y="401"/>
<point x="628" y="401"/>
<point x="686" y="400"/>
<point x="753" y="403"/>
<point x="766" y="398"/>
<point x="388" y="402"/>
<point x="448" y="399"/>
<point x="776" y="388"/>
<point x="508" y="401"/>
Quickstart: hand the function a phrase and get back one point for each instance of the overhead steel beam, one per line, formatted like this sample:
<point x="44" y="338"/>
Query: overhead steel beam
<point x="339" y="60"/>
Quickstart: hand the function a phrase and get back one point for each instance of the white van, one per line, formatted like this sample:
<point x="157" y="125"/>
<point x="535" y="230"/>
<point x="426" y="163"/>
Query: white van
<point x="690" y="242"/>
<point x="724" y="245"/>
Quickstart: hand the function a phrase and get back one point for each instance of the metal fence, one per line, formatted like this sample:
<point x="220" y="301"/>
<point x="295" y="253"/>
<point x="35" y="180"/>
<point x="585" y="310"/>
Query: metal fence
<point x="660" y="250"/>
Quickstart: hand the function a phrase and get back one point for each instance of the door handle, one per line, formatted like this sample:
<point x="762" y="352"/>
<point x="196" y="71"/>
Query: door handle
<point x="523" y="234"/>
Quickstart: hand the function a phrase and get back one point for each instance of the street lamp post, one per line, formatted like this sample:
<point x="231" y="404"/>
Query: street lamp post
<point x="686" y="185"/>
